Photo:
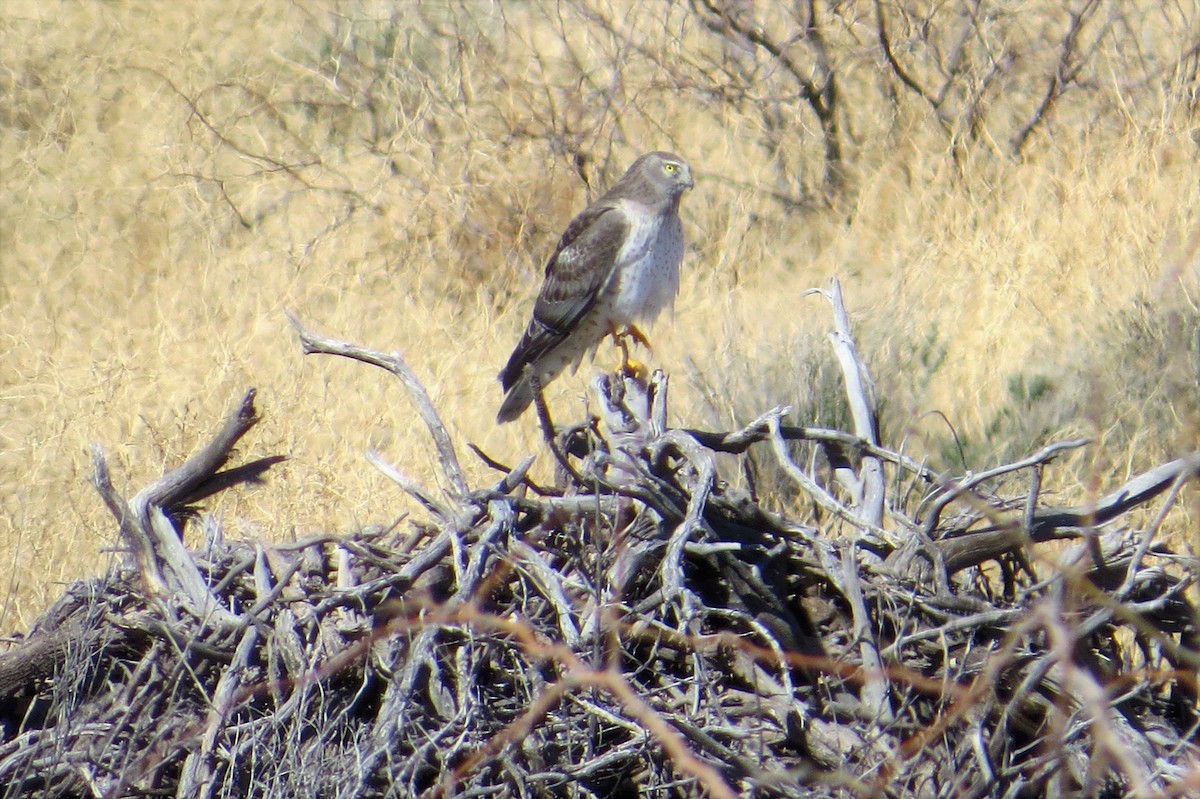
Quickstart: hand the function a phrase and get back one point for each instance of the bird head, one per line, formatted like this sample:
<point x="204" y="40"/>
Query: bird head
<point x="656" y="176"/>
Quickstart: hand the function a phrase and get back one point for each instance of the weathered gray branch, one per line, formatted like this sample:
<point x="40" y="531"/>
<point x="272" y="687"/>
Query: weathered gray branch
<point x="313" y="343"/>
<point x="166" y="567"/>
<point x="972" y="548"/>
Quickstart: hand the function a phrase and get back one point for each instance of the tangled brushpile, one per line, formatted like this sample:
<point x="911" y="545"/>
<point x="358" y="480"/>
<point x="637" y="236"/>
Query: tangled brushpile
<point x="640" y="628"/>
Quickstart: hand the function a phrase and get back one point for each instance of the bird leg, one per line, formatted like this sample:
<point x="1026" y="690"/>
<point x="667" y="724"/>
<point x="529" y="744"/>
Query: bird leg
<point x="628" y="366"/>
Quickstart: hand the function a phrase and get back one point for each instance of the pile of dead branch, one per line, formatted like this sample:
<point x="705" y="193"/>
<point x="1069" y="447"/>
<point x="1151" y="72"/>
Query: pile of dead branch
<point x="639" y="628"/>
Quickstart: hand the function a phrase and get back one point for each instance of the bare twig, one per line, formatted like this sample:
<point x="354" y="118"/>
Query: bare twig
<point x="313" y="343"/>
<point x="860" y="392"/>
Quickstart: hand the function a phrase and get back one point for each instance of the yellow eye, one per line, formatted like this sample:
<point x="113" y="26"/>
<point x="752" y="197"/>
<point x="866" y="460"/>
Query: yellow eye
<point x="671" y="167"/>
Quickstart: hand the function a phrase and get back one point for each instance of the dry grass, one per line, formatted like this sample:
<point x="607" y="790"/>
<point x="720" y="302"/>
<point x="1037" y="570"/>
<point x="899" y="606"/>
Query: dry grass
<point x="174" y="177"/>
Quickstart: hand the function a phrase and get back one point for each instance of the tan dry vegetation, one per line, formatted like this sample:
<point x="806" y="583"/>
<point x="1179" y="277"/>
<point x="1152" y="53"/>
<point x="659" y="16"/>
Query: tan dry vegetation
<point x="175" y="176"/>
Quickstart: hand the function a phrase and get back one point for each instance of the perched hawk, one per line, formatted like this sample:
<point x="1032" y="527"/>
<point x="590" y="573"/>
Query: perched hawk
<point x="616" y="265"/>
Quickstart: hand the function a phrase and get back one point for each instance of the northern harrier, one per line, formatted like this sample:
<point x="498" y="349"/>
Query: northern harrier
<point x="616" y="265"/>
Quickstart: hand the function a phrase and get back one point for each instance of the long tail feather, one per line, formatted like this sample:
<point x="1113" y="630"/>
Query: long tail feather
<point x="518" y="398"/>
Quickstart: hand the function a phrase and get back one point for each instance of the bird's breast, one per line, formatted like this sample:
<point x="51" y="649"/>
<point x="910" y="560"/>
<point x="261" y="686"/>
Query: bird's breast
<point x="647" y="278"/>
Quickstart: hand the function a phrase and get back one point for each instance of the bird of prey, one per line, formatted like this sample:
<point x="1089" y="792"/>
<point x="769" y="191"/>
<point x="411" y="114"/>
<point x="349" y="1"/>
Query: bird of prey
<point x="616" y="265"/>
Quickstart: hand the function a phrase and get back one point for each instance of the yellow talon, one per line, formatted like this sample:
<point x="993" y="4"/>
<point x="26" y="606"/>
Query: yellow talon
<point x="628" y="366"/>
<point x="635" y="369"/>
<point x="637" y="335"/>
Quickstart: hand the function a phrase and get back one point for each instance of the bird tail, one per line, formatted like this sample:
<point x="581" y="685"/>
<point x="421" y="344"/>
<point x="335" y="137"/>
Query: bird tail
<point x="518" y="398"/>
